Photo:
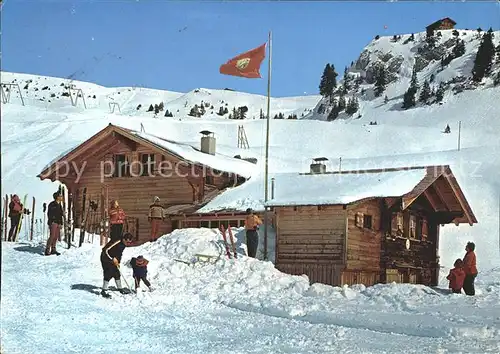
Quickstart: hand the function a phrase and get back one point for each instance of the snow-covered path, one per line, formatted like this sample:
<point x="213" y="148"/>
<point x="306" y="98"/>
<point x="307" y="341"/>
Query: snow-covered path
<point x="49" y="306"/>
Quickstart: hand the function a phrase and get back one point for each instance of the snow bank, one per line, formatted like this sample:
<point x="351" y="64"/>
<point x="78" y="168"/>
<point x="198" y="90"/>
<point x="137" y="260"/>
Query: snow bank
<point x="255" y="286"/>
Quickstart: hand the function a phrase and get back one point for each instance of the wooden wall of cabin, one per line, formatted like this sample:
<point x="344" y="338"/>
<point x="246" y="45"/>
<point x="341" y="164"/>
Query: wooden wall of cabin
<point x="135" y="194"/>
<point x="364" y="235"/>
<point x="310" y="240"/>
<point x="410" y="245"/>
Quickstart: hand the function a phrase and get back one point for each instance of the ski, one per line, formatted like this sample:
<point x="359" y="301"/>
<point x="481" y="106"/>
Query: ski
<point x="6" y="212"/>
<point x="67" y="236"/>
<point x="232" y="241"/>
<point x="43" y="225"/>
<point x="3" y="225"/>
<point x="19" y="226"/>
<point x="223" y="231"/>
<point x="32" y="219"/>
<point x="83" y="218"/>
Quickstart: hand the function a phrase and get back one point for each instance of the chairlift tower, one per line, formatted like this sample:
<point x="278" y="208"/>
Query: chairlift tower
<point x="242" y="138"/>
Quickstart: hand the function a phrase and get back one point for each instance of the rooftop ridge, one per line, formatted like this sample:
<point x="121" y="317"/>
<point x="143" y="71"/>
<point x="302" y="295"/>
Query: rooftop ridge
<point x="379" y="170"/>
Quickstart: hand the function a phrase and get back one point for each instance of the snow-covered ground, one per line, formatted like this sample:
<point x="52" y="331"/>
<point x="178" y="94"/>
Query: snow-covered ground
<point x="246" y="305"/>
<point x="51" y="305"/>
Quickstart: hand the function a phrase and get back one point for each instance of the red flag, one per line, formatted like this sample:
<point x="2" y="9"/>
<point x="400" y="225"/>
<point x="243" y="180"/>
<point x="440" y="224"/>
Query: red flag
<point x="246" y="64"/>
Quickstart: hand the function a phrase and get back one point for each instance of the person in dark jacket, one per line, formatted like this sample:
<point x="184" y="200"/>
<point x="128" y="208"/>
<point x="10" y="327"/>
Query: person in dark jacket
<point x="15" y="210"/>
<point x="140" y="271"/>
<point x="470" y="269"/>
<point x="54" y="220"/>
<point x="252" y="223"/>
<point x="111" y="256"/>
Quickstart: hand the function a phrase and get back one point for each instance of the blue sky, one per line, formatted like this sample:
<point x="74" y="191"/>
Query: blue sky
<point x="179" y="45"/>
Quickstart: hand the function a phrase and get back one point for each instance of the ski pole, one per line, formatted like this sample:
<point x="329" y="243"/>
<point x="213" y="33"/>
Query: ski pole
<point x="121" y="274"/>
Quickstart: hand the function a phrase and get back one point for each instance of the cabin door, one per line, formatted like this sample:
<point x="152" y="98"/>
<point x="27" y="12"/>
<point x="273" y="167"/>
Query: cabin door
<point x="132" y="226"/>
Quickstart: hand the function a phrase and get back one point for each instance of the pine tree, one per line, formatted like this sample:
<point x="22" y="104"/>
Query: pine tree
<point x="496" y="80"/>
<point x="221" y="111"/>
<point x="484" y="58"/>
<point x="328" y="81"/>
<point x="334" y="113"/>
<point x="386" y="99"/>
<point x="261" y="114"/>
<point x="324" y="83"/>
<point x="226" y="111"/>
<point x="459" y="48"/>
<point x="352" y="106"/>
<point x="342" y="103"/>
<point x="426" y="92"/>
<point x="440" y="92"/>
<point x="150" y="109"/>
<point x="409" y="95"/>
<point x="235" y="113"/>
<point x="380" y="81"/>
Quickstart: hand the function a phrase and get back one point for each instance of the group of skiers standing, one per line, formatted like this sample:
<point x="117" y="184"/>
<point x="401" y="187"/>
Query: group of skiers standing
<point x="54" y="221"/>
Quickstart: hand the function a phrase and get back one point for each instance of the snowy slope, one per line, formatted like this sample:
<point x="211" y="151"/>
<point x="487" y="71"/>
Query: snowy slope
<point x="399" y="58"/>
<point x="52" y="94"/>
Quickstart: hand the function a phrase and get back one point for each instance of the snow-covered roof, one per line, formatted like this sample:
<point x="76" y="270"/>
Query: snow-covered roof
<point x="317" y="189"/>
<point x="189" y="153"/>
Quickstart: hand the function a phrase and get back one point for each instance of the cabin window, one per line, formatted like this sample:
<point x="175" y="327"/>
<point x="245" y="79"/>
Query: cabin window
<point x="359" y="221"/>
<point x="224" y="223"/>
<point x="148" y="162"/>
<point x="367" y="221"/>
<point x="205" y="224"/>
<point x="121" y="166"/>
<point x="425" y="229"/>
<point x="209" y="180"/>
<point x="413" y="226"/>
<point x="233" y="223"/>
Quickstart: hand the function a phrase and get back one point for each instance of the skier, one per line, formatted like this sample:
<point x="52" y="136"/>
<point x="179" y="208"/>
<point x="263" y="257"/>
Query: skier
<point x="447" y="130"/>
<point x="15" y="210"/>
<point x="252" y="223"/>
<point x="456" y="277"/>
<point x="156" y="215"/>
<point x="111" y="256"/>
<point x="55" y="221"/>
<point x="140" y="268"/>
<point x="116" y="220"/>
<point x="470" y="269"/>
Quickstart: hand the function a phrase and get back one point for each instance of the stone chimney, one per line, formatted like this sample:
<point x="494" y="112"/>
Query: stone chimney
<point x="318" y="165"/>
<point x="207" y="142"/>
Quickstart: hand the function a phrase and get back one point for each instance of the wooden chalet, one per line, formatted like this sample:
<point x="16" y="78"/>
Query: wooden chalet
<point x="442" y="24"/>
<point x="368" y="227"/>
<point x="134" y="167"/>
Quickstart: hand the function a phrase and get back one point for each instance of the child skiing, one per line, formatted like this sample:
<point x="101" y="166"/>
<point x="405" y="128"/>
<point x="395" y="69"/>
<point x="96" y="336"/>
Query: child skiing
<point x="140" y="268"/>
<point x="456" y="277"/>
<point x="111" y="256"/>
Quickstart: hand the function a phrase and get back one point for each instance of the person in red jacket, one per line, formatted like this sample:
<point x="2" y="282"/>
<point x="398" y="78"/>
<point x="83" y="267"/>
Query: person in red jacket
<point x="116" y="220"/>
<point x="456" y="277"/>
<point x="470" y="269"/>
<point x="15" y="210"/>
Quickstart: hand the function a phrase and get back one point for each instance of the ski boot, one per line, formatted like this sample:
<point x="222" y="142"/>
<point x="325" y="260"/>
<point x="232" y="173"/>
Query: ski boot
<point x="125" y="291"/>
<point x="105" y="294"/>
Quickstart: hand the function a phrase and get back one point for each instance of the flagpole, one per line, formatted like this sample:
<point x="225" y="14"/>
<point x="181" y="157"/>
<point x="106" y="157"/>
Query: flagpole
<point x="266" y="171"/>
